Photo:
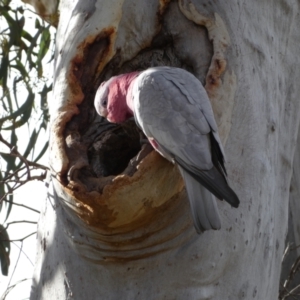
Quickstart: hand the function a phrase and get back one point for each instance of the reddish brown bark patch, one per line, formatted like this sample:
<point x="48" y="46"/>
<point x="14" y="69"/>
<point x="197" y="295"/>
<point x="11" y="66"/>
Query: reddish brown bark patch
<point x="127" y="203"/>
<point x="213" y="79"/>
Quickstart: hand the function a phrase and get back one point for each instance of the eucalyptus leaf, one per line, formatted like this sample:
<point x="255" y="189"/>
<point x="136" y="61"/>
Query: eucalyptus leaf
<point x="23" y="53"/>
<point x="25" y="110"/>
<point x="44" y="149"/>
<point x="4" y="250"/>
<point x="9" y="206"/>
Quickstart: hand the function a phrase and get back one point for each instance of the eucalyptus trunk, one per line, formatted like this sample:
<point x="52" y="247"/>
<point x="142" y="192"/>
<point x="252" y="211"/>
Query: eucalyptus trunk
<point x="117" y="225"/>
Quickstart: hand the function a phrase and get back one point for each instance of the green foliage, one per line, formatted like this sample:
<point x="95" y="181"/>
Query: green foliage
<point x="4" y="250"/>
<point x="26" y="46"/>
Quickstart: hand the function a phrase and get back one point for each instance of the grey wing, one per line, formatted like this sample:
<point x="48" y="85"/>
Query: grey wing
<point x="166" y="111"/>
<point x="172" y="106"/>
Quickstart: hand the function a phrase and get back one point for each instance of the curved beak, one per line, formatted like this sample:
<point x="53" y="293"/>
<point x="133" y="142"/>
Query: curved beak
<point x="103" y="112"/>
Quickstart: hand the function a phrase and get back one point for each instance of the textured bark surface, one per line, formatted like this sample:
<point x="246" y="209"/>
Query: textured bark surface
<point x="131" y="236"/>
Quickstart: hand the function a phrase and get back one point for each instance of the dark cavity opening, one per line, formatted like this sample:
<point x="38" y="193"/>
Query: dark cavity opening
<point x="111" y="151"/>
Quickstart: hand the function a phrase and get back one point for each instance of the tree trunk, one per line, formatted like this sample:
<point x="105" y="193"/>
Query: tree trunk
<point x="110" y="233"/>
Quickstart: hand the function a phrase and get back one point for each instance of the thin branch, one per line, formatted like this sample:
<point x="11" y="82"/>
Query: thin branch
<point x="22" y="205"/>
<point x="15" y="152"/>
<point x="29" y="162"/>
<point x="15" y="173"/>
<point x="21" y="239"/>
<point x="10" y="175"/>
<point x="20" y="183"/>
<point x="296" y="247"/>
<point x="10" y="288"/>
<point x="10" y="279"/>
<point x="24" y="253"/>
<point x="286" y="251"/>
<point x="291" y="293"/>
<point x="284" y="293"/>
<point x="5" y="142"/>
<point x="37" y="177"/>
<point x="293" y="271"/>
<point x="24" y="221"/>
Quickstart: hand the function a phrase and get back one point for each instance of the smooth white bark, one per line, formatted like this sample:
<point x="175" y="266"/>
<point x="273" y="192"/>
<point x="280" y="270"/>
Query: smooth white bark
<point x="253" y="76"/>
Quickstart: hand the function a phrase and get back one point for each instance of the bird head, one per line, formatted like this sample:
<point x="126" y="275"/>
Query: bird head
<point x="101" y="99"/>
<point x="111" y="98"/>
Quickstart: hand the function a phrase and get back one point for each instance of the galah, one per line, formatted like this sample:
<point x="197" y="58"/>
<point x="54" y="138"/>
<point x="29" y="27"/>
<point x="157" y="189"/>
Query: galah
<point x="173" y="110"/>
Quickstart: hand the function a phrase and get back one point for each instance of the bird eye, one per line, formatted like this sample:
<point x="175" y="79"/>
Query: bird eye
<point x="104" y="103"/>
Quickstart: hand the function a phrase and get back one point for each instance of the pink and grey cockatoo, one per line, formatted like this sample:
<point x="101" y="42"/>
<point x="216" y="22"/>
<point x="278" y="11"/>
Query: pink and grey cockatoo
<point x="173" y="110"/>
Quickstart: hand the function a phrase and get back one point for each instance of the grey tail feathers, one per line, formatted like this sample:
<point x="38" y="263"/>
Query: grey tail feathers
<point x="213" y="180"/>
<point x="203" y="204"/>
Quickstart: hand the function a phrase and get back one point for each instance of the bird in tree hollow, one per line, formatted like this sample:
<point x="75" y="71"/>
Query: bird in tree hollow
<point x="173" y="110"/>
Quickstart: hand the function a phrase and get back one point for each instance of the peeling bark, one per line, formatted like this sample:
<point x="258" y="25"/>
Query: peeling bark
<point x="130" y="235"/>
<point x="46" y="9"/>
